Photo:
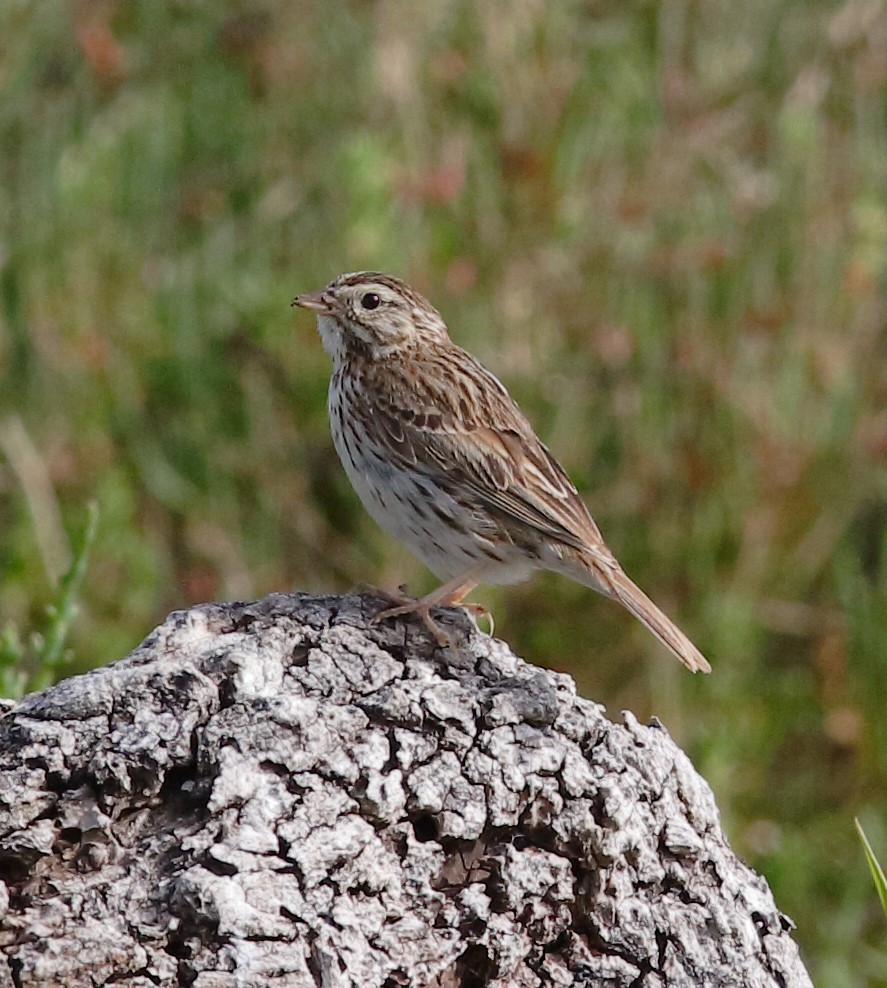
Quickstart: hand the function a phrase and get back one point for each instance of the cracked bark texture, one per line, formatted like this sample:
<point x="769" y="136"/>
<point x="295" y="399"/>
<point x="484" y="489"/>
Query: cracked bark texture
<point x="280" y="793"/>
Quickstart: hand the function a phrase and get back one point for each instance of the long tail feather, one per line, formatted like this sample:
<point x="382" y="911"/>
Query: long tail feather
<point x="635" y="600"/>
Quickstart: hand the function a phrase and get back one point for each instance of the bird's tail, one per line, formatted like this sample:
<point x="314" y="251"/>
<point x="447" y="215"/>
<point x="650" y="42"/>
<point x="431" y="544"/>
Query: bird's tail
<point x="635" y="600"/>
<point x="607" y="577"/>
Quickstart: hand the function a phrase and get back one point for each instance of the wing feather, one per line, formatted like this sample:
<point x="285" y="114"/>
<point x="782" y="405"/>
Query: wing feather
<point x="453" y="416"/>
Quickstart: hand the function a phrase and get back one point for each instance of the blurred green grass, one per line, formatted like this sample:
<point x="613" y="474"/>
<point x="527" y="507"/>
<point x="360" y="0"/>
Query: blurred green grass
<point x="664" y="225"/>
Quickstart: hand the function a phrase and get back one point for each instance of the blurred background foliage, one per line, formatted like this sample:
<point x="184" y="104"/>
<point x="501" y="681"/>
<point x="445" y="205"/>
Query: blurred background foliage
<point x="663" y="224"/>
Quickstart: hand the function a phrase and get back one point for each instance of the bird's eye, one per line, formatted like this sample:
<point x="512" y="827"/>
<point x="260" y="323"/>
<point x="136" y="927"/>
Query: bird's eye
<point x="370" y="301"/>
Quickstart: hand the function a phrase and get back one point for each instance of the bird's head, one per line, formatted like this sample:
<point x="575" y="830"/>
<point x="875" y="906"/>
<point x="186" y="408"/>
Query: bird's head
<point x="373" y="315"/>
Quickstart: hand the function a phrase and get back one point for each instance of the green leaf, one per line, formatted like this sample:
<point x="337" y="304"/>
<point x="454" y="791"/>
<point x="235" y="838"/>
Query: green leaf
<point x="874" y="866"/>
<point x="50" y="645"/>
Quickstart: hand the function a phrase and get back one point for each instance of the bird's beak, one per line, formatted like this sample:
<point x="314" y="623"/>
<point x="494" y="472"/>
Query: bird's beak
<point x="315" y="301"/>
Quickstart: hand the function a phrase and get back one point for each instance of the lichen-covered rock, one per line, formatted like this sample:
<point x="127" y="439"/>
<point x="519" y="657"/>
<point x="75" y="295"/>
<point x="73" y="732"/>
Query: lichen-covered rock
<point x="281" y="793"/>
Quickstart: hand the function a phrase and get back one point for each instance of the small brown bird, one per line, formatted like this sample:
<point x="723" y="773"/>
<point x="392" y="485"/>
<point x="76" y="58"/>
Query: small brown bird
<point x="445" y="461"/>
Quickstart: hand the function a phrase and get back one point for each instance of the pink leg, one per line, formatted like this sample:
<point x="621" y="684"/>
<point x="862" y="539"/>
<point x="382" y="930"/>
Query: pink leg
<point x="448" y="594"/>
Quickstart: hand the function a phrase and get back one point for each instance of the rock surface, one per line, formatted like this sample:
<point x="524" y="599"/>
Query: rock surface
<point x="280" y="793"/>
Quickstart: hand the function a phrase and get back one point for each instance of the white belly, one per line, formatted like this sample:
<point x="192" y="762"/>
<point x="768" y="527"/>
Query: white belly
<point x="450" y="539"/>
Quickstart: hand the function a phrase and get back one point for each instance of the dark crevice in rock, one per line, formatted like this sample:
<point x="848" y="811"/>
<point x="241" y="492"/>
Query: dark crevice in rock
<point x="15" y="972"/>
<point x="217" y="867"/>
<point x="473" y="968"/>
<point x="426" y="826"/>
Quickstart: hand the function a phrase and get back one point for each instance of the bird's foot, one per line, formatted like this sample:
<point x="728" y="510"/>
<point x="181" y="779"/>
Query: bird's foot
<point x="450" y="594"/>
<point x="397" y="598"/>
<point x="422" y="610"/>
<point x="446" y="596"/>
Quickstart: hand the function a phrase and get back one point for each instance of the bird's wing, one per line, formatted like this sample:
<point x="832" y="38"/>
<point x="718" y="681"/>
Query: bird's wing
<point x="446" y="413"/>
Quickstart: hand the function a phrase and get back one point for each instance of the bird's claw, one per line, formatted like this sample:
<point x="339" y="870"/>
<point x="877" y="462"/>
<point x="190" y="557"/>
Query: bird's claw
<point x="478" y="610"/>
<point x="422" y="611"/>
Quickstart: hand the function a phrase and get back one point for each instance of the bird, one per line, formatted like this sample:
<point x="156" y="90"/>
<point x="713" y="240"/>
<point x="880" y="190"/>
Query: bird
<point x="444" y="460"/>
